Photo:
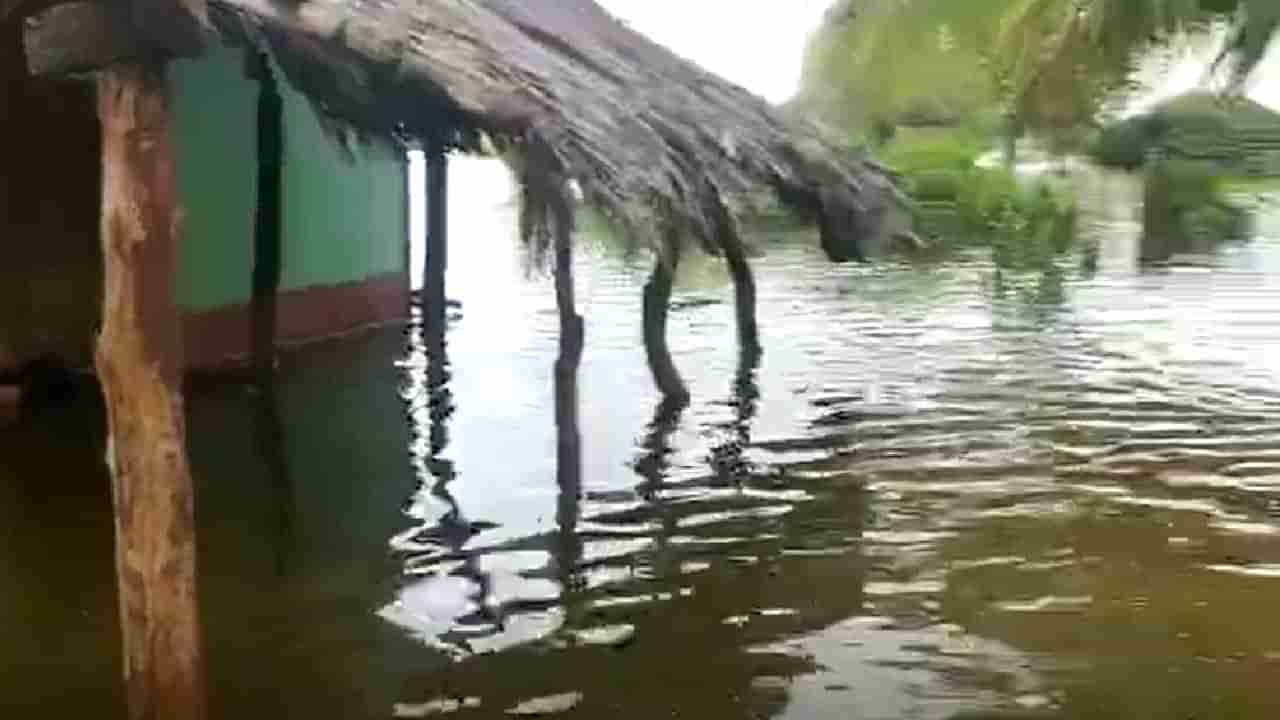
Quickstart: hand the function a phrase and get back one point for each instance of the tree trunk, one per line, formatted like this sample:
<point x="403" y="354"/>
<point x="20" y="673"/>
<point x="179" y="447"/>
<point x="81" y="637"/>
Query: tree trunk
<point x="657" y="298"/>
<point x="139" y="362"/>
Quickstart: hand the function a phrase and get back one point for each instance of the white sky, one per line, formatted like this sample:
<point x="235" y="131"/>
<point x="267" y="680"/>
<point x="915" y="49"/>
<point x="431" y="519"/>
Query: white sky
<point x="1184" y="69"/>
<point x="1266" y="84"/>
<point x="758" y="44"/>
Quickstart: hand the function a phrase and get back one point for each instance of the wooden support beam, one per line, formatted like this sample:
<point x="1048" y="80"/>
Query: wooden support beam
<point x="568" y="553"/>
<point x="268" y="243"/>
<point x="87" y="36"/>
<point x="729" y="240"/>
<point x="434" y="290"/>
<point x="139" y="363"/>
<point x="744" y="289"/>
<point x="657" y="299"/>
<point x="572" y="339"/>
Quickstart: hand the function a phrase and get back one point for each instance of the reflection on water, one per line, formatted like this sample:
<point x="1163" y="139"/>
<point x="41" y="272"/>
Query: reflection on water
<point x="298" y="490"/>
<point x="928" y="500"/>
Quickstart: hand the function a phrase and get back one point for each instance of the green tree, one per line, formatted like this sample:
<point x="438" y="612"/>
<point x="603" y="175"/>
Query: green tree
<point x="1063" y="58"/>
<point x="1044" y="65"/>
<point x="884" y="63"/>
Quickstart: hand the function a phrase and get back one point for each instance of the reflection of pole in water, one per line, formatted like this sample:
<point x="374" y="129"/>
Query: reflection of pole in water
<point x="727" y="458"/>
<point x="568" y="546"/>
<point x="268" y="441"/>
<point x="656" y="460"/>
<point x="430" y="385"/>
<point x="653" y="466"/>
<point x="568" y="433"/>
<point x="439" y="396"/>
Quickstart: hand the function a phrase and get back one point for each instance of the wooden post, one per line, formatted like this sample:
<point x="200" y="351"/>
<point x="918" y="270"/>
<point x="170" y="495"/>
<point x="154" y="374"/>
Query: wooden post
<point x="657" y="298"/>
<point x="268" y="259"/>
<point x="744" y="288"/>
<point x="572" y="339"/>
<point x="139" y="362"/>
<point x="435" y="313"/>
<point x="729" y="240"/>
<point x="434" y="293"/>
<point x="267" y="240"/>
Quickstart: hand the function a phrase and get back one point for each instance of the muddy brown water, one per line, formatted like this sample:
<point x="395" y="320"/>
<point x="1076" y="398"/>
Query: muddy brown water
<point x="928" y="501"/>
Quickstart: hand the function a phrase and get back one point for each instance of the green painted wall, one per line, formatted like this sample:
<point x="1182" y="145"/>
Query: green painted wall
<point x="214" y="108"/>
<point x="343" y="221"/>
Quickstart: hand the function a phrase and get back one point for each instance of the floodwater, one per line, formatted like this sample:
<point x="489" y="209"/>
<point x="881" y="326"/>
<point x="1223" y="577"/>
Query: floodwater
<point x="932" y="499"/>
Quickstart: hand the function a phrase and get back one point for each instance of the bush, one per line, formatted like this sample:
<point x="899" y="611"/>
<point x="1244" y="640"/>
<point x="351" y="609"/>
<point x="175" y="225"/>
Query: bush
<point x="916" y="151"/>
<point x="1185" y="211"/>
<point x="963" y="204"/>
<point x="1124" y="145"/>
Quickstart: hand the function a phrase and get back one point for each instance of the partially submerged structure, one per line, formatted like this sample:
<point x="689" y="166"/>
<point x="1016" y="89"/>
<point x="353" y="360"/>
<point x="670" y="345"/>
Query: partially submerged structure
<point x="572" y="95"/>
<point x="340" y="244"/>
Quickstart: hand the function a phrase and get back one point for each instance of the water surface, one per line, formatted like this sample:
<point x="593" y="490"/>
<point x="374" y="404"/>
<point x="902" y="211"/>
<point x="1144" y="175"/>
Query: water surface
<point x="938" y="496"/>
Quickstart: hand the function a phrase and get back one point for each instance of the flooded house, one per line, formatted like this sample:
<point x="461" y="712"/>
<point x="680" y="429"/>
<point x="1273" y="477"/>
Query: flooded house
<point x="341" y="259"/>
<point x="232" y="179"/>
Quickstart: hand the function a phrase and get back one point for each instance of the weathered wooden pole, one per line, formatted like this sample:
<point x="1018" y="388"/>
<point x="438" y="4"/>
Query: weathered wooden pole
<point x="657" y="298"/>
<point x="434" y="306"/>
<point x="139" y="363"/>
<point x="744" y="288"/>
<point x="268" y="250"/>
<point x="572" y="340"/>
<point x="268" y="267"/>
<point x="434" y="292"/>
<point x="139" y="354"/>
<point x="729" y="239"/>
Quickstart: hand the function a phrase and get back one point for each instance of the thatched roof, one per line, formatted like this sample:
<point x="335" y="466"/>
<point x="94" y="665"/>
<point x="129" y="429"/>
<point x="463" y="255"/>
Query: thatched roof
<point x="653" y="140"/>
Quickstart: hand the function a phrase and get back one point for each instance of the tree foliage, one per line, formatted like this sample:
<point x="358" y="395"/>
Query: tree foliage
<point x="1051" y="64"/>
<point x="915" y="62"/>
<point x="1063" y="58"/>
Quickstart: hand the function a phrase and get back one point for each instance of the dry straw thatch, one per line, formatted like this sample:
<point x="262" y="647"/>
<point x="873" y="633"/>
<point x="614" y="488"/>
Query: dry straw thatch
<point x="663" y="147"/>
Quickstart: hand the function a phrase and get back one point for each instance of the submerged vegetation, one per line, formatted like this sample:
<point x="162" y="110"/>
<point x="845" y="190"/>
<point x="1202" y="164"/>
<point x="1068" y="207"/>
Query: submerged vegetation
<point x="961" y="202"/>
<point x="1185" y="211"/>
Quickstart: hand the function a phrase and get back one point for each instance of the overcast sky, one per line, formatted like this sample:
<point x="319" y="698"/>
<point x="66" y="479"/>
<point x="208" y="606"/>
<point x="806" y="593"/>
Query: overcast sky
<point x="1185" y="69"/>
<point x="757" y="44"/>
